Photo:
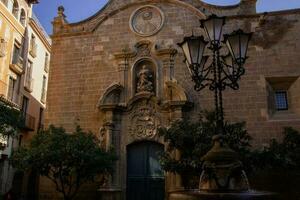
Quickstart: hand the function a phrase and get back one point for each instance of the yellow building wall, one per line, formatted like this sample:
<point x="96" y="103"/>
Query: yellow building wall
<point x="11" y="30"/>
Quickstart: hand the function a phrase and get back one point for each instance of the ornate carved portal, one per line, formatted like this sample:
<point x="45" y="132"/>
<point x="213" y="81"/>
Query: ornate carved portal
<point x="145" y="97"/>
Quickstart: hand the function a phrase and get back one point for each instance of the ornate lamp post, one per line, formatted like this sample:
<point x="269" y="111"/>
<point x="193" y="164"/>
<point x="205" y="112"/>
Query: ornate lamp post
<point x="222" y="171"/>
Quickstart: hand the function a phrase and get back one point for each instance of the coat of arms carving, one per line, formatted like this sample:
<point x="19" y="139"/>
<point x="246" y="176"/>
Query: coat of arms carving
<point x="144" y="123"/>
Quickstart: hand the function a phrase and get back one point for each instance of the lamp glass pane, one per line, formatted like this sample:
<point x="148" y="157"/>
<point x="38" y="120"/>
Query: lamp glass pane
<point x="194" y="50"/>
<point x="244" y="45"/>
<point x="228" y="44"/>
<point x="218" y="26"/>
<point x="209" y="29"/>
<point x="234" y="43"/>
<point x="186" y="51"/>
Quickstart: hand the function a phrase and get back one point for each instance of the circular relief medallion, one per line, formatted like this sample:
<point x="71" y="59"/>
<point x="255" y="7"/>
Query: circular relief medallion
<point x="147" y="20"/>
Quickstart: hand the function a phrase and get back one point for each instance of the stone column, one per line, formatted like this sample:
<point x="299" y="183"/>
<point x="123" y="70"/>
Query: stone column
<point x="123" y="58"/>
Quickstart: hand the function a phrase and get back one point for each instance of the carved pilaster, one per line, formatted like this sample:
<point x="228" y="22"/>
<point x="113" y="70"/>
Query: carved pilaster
<point x="122" y="59"/>
<point x="167" y="55"/>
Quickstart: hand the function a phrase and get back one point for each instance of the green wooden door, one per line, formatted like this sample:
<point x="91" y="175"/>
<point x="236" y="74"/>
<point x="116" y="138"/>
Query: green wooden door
<point x="145" y="178"/>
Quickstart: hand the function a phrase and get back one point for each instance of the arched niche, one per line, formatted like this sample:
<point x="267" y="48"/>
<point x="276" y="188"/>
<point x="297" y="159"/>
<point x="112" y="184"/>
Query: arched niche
<point x="112" y="96"/>
<point x="144" y="76"/>
<point x="174" y="92"/>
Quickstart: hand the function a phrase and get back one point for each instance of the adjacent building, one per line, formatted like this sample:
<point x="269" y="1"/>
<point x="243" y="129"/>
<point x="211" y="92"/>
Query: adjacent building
<point x="24" y="65"/>
<point x="121" y="75"/>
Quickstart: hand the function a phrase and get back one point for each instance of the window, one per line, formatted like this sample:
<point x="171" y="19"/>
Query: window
<point x="13" y="89"/>
<point x="16" y="54"/>
<point x="281" y="100"/>
<point x="28" y="78"/>
<point x="17" y="60"/>
<point x="283" y="97"/>
<point x="46" y="67"/>
<point x="33" y="46"/>
<point x="41" y="119"/>
<point x="15" y="9"/>
<point x="23" y="17"/>
<point x="25" y="104"/>
<point x="44" y="91"/>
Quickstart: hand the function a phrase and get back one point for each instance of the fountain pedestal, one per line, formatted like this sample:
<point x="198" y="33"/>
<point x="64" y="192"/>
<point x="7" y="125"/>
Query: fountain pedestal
<point x="222" y="178"/>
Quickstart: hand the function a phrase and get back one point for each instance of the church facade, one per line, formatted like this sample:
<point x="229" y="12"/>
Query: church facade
<point x="121" y="75"/>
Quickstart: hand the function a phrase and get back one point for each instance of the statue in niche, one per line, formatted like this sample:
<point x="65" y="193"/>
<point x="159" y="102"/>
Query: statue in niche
<point x="145" y="80"/>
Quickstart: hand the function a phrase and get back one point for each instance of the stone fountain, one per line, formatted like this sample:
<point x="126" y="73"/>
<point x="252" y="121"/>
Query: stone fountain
<point x="223" y="178"/>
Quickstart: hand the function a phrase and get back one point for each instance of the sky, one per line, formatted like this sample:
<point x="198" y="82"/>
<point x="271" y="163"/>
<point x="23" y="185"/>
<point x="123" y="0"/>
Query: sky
<point x="77" y="10"/>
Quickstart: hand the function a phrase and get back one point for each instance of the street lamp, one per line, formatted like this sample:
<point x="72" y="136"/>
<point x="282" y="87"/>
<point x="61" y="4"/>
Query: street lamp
<point x="222" y="171"/>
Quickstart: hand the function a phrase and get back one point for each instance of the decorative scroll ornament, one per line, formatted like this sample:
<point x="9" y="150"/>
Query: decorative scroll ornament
<point x="147" y="20"/>
<point x="144" y="123"/>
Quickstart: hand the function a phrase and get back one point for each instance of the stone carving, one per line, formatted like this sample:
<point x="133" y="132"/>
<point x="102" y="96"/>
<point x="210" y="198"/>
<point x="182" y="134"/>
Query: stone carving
<point x="102" y="137"/>
<point x="144" y="123"/>
<point x="145" y="80"/>
<point x="143" y="50"/>
<point x="147" y="21"/>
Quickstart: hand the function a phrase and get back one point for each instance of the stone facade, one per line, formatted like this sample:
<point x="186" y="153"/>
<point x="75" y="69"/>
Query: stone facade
<point x="98" y="64"/>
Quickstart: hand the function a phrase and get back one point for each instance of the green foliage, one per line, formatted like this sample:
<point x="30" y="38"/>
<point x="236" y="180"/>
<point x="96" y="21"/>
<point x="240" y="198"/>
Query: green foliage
<point x="280" y="155"/>
<point x="69" y="160"/>
<point x="194" y="140"/>
<point x="10" y="119"/>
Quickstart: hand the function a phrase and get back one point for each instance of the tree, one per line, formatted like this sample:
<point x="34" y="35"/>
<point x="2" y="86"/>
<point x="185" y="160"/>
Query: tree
<point x="68" y="160"/>
<point x="283" y="155"/>
<point x="10" y="119"/>
<point x="193" y="140"/>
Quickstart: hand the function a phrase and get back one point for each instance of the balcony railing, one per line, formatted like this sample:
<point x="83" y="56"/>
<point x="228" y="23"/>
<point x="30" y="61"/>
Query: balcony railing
<point x="10" y="102"/>
<point x="29" y="84"/>
<point x="43" y="97"/>
<point x="2" y="47"/>
<point x="17" y="64"/>
<point x="33" y="49"/>
<point x="28" y="122"/>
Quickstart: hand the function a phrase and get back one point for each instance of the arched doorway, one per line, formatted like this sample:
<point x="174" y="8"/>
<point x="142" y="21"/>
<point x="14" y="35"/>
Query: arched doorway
<point x="145" y="178"/>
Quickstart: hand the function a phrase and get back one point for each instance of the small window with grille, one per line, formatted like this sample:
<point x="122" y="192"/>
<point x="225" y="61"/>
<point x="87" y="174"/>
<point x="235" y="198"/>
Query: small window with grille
<point x="281" y="100"/>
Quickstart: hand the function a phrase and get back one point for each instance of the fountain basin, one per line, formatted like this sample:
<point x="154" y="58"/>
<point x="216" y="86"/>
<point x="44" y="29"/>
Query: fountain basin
<point x="199" y="195"/>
